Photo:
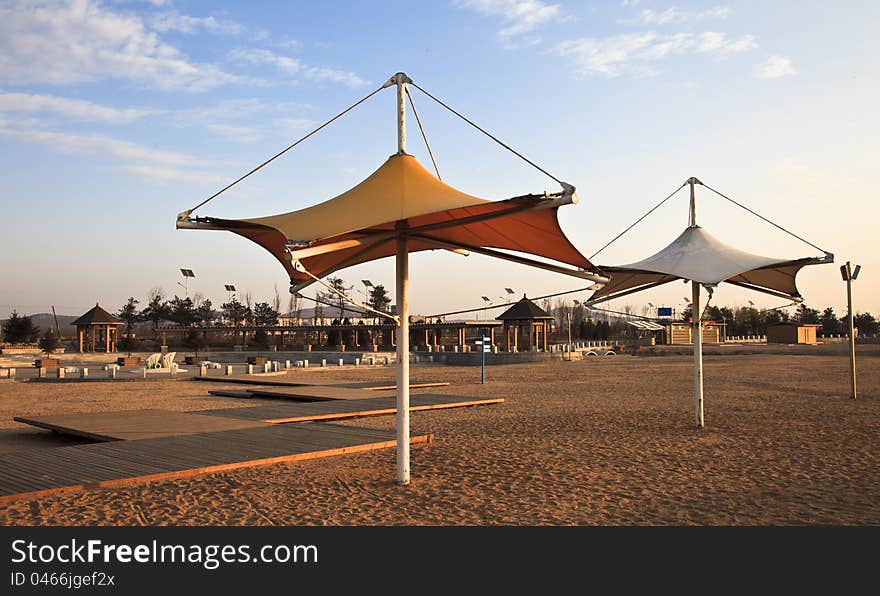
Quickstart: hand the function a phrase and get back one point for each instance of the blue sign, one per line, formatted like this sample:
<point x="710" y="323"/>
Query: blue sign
<point x="664" y="311"/>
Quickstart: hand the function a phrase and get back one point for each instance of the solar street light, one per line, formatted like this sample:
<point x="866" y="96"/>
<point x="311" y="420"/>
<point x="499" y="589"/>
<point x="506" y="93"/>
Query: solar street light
<point x="187" y="273"/>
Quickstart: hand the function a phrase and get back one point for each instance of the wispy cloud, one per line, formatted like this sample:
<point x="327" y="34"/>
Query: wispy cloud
<point x="181" y="23"/>
<point x="674" y="16"/>
<point x="75" y="109"/>
<point x="519" y="16"/>
<point x="145" y="161"/>
<point x="54" y="42"/>
<point x="169" y="174"/>
<point x="294" y="66"/>
<point x="775" y="67"/>
<point x="634" y="52"/>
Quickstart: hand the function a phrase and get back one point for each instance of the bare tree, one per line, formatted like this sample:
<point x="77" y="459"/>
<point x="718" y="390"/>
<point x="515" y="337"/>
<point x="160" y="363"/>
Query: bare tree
<point x="293" y="306"/>
<point x="276" y="301"/>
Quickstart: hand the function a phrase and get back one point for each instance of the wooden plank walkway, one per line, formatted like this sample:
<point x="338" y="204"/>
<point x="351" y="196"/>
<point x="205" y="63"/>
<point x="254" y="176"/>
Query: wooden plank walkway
<point x="278" y="380"/>
<point x="290" y="411"/>
<point x="41" y="472"/>
<point x="135" y="424"/>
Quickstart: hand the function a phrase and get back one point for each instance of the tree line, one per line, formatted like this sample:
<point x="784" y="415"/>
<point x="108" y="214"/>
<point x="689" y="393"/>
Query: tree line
<point x="739" y="321"/>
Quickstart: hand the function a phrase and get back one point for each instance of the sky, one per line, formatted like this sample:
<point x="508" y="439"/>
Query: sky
<point x="117" y="115"/>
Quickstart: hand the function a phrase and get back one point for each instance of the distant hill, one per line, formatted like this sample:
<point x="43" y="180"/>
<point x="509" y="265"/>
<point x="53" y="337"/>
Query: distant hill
<point x="45" y="320"/>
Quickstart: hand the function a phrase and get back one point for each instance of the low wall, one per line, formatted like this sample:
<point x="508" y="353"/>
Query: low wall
<point x="26" y="350"/>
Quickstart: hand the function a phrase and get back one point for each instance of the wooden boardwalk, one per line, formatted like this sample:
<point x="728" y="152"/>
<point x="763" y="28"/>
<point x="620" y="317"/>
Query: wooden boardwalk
<point x="290" y="411"/>
<point x="278" y="380"/>
<point x="135" y="424"/>
<point x="42" y="472"/>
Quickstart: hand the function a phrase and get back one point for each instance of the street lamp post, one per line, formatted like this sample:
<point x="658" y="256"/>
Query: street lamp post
<point x="849" y="274"/>
<point x="230" y="289"/>
<point x="509" y="293"/>
<point x="486" y="302"/>
<point x="187" y="273"/>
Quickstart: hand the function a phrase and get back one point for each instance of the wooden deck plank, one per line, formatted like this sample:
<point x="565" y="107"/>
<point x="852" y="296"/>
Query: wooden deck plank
<point x="134" y="424"/>
<point x="380" y="406"/>
<point x="41" y="472"/>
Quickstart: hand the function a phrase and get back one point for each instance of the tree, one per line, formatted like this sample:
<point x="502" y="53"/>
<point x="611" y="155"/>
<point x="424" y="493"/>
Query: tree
<point x="830" y="324"/>
<point x="205" y="313"/>
<point x="261" y="338"/>
<point x="194" y="340"/>
<point x="265" y="315"/>
<point x="866" y="324"/>
<point x="20" y="330"/>
<point x="338" y="298"/>
<point x="49" y="342"/>
<point x="236" y="312"/>
<point x="293" y="307"/>
<point x="806" y="315"/>
<point x="379" y="298"/>
<point x="157" y="309"/>
<point x="130" y="315"/>
<point x="183" y="311"/>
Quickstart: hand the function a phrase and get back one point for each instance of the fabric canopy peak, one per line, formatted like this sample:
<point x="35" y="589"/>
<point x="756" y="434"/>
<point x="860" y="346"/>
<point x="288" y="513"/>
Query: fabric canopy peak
<point x="402" y="197"/>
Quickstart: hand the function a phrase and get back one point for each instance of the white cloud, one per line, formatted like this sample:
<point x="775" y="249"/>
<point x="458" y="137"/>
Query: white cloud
<point x="98" y="144"/>
<point x="170" y="174"/>
<point x="174" y="21"/>
<point x="674" y="16"/>
<point x="144" y="161"/>
<point x="235" y="132"/>
<point x="55" y="42"/>
<point x="71" y="108"/>
<point x="293" y="66"/>
<point x="295" y="124"/>
<point x="519" y="16"/>
<point x="775" y="67"/>
<point x="615" y="55"/>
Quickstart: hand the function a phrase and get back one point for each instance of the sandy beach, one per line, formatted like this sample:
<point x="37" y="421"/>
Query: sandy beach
<point x="597" y="442"/>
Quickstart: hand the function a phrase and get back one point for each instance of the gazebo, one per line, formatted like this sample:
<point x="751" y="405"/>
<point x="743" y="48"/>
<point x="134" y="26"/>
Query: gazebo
<point x="536" y="321"/>
<point x="97" y="330"/>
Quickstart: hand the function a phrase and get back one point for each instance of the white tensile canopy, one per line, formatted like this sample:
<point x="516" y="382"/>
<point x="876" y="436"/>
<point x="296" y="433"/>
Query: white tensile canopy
<point x="697" y="256"/>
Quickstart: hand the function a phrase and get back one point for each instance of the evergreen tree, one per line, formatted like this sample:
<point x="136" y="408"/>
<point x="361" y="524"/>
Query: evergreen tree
<point x="130" y="315"/>
<point x="339" y="301"/>
<point x="20" y="329"/>
<point x="194" y="340"/>
<point x="379" y="298"/>
<point x="236" y="312"/>
<point x="830" y="324"/>
<point x="157" y="309"/>
<point x="866" y="324"/>
<point x="205" y="313"/>
<point x="806" y="315"/>
<point x="49" y="342"/>
<point x="265" y="315"/>
<point x="182" y="311"/>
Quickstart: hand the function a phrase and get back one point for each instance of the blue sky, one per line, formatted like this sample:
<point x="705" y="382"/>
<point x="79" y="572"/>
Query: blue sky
<point x="115" y="116"/>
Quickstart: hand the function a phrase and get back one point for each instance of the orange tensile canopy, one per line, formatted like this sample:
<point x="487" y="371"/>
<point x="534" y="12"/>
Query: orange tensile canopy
<point x="361" y="224"/>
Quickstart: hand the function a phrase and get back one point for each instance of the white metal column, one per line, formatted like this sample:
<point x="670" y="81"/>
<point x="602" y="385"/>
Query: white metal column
<point x="402" y="266"/>
<point x="697" y="328"/>
<point x="402" y="361"/>
<point x="698" y="353"/>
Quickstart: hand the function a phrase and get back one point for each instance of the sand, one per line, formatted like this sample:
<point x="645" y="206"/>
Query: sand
<point x="602" y="441"/>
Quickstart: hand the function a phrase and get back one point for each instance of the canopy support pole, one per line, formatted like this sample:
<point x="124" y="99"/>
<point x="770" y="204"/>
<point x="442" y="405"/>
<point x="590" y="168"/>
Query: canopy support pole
<point x="402" y="360"/>
<point x="692" y="212"/>
<point x="400" y="79"/>
<point x="698" y="353"/>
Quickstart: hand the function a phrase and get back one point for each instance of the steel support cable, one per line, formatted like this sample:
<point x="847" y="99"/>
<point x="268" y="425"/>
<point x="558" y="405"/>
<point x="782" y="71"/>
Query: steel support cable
<point x="487" y="307"/>
<point x="758" y="215"/>
<point x="493" y="137"/>
<point x="280" y="153"/>
<point x="301" y="268"/>
<point x="634" y="224"/>
<point x="422" y="130"/>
